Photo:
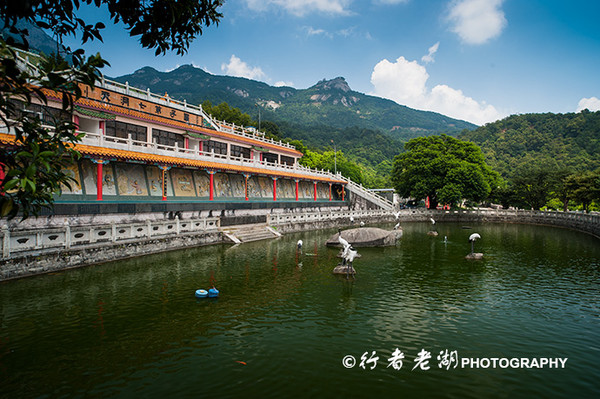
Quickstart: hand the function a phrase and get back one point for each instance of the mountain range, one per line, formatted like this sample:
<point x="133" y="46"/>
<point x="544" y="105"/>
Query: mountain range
<point x="331" y="103"/>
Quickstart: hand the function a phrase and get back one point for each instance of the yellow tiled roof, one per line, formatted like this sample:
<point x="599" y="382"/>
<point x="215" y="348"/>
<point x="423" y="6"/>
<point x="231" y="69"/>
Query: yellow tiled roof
<point x="110" y="153"/>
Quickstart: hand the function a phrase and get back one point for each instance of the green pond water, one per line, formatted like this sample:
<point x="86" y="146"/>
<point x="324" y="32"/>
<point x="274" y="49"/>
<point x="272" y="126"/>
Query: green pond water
<point x="285" y="327"/>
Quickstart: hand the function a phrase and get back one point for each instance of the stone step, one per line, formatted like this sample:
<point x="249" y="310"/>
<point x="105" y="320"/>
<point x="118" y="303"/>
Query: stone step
<point x="247" y="233"/>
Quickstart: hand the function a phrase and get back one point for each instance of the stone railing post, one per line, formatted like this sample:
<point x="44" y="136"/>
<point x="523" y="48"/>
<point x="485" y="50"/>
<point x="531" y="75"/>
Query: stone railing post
<point x="113" y="232"/>
<point x="67" y="235"/>
<point x="5" y="242"/>
<point x="149" y="228"/>
<point x="177" y="224"/>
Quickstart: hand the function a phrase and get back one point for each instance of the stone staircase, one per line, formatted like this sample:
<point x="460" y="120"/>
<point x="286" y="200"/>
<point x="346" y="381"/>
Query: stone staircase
<point x="249" y="232"/>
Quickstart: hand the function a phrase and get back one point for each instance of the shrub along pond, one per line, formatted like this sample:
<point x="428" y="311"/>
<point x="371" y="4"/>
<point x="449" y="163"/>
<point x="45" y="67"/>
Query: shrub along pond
<point x="418" y="320"/>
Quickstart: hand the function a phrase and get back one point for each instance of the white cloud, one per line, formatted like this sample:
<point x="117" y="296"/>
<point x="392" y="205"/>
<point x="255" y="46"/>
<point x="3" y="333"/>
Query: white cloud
<point x="310" y="31"/>
<point x="430" y="55"/>
<point x="346" y="33"/>
<point x="405" y="81"/>
<point x="592" y="104"/>
<point x="477" y="21"/>
<point x="172" y="69"/>
<point x="301" y="8"/>
<point x="392" y="2"/>
<point x="282" y="83"/>
<point x="239" y="68"/>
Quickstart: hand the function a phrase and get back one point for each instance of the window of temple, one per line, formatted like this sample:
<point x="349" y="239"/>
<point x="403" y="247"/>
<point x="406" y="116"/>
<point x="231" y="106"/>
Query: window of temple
<point x="269" y="157"/>
<point x="163" y="137"/>
<point x="123" y="130"/>
<point x="240" y="152"/>
<point x="287" y="160"/>
<point x="216" y="147"/>
<point x="46" y="114"/>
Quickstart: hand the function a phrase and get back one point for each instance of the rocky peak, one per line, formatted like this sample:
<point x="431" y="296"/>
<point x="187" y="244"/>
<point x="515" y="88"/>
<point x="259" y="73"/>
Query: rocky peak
<point x="334" y="91"/>
<point x="338" y="83"/>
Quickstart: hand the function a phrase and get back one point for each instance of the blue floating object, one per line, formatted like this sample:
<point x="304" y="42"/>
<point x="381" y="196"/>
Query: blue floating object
<point x="201" y="293"/>
<point x="213" y="293"/>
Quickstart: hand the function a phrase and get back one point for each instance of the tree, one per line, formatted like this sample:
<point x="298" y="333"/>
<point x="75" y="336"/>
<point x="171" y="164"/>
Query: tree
<point x="585" y="188"/>
<point x="444" y="169"/>
<point x="533" y="184"/>
<point x="32" y="167"/>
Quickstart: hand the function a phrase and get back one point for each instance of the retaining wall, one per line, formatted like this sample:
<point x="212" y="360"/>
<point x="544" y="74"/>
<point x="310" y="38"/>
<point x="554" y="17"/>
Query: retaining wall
<point x="40" y="249"/>
<point x="588" y="223"/>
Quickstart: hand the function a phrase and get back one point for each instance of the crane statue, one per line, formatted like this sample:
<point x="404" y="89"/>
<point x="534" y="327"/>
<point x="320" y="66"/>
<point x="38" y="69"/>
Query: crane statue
<point x="473" y="254"/>
<point x="348" y="256"/>
<point x="433" y="232"/>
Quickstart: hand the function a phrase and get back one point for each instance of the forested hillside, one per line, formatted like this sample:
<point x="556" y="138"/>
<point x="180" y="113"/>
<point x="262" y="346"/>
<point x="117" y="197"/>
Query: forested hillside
<point x="554" y="141"/>
<point x="328" y="103"/>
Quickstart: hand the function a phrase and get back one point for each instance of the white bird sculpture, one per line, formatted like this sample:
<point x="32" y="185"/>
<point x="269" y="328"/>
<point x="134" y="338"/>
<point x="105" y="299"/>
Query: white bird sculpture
<point x="342" y="241"/>
<point x="351" y="219"/>
<point x="300" y="244"/>
<point x="396" y="226"/>
<point x="472" y="239"/>
<point x="362" y="223"/>
<point x="348" y="253"/>
<point x="432" y="221"/>
<point x="474" y="236"/>
<point x="351" y="255"/>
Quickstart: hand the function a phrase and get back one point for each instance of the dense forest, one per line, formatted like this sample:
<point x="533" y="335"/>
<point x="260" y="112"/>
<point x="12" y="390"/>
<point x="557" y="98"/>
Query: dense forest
<point x="546" y="160"/>
<point x="554" y="141"/>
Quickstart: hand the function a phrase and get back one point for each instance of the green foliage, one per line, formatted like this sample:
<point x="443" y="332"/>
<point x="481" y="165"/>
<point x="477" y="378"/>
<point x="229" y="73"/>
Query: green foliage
<point x="584" y="188"/>
<point x="543" y="158"/>
<point x="224" y="112"/>
<point x="162" y="25"/>
<point x="559" y="141"/>
<point x="34" y="164"/>
<point x="328" y="160"/>
<point x="532" y="185"/>
<point x="444" y="169"/>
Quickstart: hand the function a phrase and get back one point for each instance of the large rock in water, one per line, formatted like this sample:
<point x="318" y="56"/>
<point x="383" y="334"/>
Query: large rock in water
<point x="367" y="237"/>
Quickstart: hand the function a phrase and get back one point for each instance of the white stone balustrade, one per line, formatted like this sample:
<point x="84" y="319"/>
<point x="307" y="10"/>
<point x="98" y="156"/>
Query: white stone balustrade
<point x="67" y="237"/>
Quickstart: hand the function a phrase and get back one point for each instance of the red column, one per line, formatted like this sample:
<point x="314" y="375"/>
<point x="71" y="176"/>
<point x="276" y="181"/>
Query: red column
<point x="315" y="191"/>
<point x="201" y="145"/>
<point x="101" y="126"/>
<point x="187" y="143"/>
<point x="76" y="122"/>
<point x="343" y="192"/>
<point x="296" y="190"/>
<point x="246" y="186"/>
<point x="164" y="182"/>
<point x="211" y="185"/>
<point x="98" y="180"/>
<point x="329" y="191"/>
<point x="2" y="176"/>
<point x="274" y="189"/>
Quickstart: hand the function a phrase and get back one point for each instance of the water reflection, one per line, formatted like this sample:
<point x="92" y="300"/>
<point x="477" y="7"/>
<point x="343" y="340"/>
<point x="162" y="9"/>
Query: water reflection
<point x="134" y="328"/>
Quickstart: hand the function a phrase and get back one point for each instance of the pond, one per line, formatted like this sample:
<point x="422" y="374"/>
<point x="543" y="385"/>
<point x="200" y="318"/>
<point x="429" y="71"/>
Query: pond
<point x="418" y="320"/>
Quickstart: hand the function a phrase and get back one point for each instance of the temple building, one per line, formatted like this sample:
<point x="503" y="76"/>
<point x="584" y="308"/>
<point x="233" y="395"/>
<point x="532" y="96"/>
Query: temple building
<point x="145" y="148"/>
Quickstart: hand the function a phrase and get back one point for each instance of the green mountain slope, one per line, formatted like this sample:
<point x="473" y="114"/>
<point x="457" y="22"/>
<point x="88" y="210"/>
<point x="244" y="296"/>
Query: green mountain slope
<point x="556" y="141"/>
<point x="328" y="103"/>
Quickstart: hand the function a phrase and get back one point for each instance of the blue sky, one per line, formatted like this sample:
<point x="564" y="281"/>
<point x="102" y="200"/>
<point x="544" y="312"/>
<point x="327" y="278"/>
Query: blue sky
<point x="477" y="60"/>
